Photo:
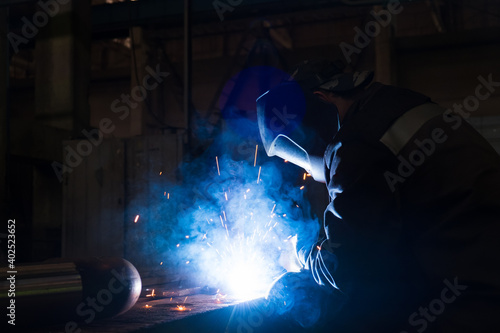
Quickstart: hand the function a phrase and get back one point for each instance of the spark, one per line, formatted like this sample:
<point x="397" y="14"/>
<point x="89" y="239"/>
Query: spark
<point x="168" y="195"/>
<point x="219" y="297"/>
<point x="136" y="218"/>
<point x="302" y="187"/>
<point x="161" y="263"/>
<point x="318" y="247"/>
<point x="181" y="308"/>
<point x="187" y="236"/>
<point x="147" y="306"/>
<point x="152" y="294"/>
<point x="178" y="245"/>
<point x="161" y="172"/>
<point x="240" y="259"/>
<point x="255" y="160"/>
<point x="305" y="175"/>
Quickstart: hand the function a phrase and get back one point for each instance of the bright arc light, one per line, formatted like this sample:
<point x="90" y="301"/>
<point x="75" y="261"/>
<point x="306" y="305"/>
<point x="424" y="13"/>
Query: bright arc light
<point x="248" y="280"/>
<point x="236" y="241"/>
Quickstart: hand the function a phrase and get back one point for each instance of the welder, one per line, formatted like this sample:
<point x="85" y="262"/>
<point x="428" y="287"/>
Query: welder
<point x="413" y="226"/>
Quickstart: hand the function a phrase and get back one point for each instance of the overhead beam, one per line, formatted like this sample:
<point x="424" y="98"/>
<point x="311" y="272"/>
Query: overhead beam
<point x="451" y="39"/>
<point x="115" y="20"/>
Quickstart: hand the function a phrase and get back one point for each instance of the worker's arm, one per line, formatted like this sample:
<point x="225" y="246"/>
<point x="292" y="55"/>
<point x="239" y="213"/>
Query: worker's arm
<point x="360" y="217"/>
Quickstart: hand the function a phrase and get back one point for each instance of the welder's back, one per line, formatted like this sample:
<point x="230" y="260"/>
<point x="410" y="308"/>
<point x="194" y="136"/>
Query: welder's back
<point x="417" y="222"/>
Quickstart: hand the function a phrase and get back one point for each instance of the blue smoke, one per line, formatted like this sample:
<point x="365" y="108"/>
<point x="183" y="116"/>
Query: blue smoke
<point x="241" y="216"/>
<point x="230" y="225"/>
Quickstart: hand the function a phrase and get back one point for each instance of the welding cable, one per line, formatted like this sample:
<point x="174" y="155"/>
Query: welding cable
<point x="324" y="269"/>
<point x="318" y="267"/>
<point x="312" y="265"/>
<point x="314" y="271"/>
<point x="321" y="267"/>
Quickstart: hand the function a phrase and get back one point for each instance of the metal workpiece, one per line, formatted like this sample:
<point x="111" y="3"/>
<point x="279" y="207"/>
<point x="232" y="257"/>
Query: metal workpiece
<point x="70" y="292"/>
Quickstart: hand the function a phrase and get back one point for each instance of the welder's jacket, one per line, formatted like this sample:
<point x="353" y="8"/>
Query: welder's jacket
<point x="425" y="236"/>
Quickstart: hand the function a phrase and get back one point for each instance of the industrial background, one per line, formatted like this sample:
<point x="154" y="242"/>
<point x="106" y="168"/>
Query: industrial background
<point x="70" y="67"/>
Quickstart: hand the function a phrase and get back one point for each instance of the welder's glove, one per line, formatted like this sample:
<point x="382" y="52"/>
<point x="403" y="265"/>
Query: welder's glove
<point x="289" y="259"/>
<point x="298" y="297"/>
<point x="320" y="260"/>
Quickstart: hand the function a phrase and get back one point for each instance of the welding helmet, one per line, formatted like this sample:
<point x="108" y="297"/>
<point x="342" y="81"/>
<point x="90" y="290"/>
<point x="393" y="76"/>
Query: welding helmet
<point x="323" y="74"/>
<point x="280" y="115"/>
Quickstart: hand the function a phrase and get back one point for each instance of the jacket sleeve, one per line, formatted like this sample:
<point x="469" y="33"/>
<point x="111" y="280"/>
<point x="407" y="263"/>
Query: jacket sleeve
<point x="358" y="181"/>
<point x="362" y="222"/>
<point x="320" y="260"/>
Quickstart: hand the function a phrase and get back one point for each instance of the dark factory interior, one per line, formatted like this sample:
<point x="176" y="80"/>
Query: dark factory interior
<point x="140" y="193"/>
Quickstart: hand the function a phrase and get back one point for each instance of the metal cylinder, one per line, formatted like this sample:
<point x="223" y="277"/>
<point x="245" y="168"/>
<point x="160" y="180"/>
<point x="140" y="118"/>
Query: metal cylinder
<point x="70" y="292"/>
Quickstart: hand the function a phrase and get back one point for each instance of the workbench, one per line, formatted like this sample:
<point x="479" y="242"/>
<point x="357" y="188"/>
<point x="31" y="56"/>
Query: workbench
<point x="188" y="313"/>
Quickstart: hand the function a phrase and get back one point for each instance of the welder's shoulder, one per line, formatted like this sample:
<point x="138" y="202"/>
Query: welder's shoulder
<point x="455" y="138"/>
<point x="356" y="149"/>
<point x="378" y="109"/>
<point x="358" y="141"/>
<point x="357" y="160"/>
<point x="395" y="95"/>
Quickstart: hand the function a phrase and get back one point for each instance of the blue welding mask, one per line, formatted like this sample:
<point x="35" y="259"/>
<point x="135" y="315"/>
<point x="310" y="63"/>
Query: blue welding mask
<point x="280" y="114"/>
<point x="285" y="126"/>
